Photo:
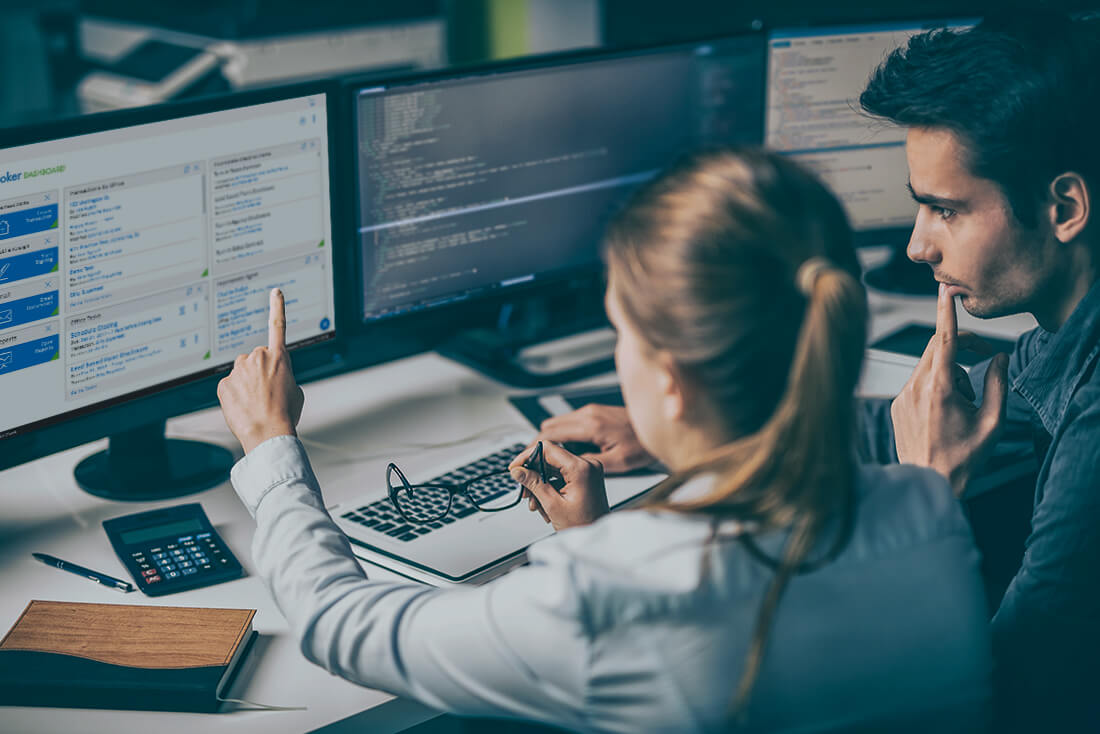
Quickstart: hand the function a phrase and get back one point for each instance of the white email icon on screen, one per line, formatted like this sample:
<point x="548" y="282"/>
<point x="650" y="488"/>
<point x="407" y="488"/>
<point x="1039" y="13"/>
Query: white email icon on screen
<point x="5" y="359"/>
<point x="6" y="316"/>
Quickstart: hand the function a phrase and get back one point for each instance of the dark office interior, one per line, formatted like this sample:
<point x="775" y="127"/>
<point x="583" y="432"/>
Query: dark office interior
<point x="44" y="59"/>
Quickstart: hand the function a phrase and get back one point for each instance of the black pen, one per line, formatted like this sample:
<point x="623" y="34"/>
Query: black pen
<point x="99" y="578"/>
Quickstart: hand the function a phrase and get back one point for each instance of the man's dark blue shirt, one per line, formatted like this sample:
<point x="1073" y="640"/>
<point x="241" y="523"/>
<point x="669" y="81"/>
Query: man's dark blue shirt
<point x="1046" y="631"/>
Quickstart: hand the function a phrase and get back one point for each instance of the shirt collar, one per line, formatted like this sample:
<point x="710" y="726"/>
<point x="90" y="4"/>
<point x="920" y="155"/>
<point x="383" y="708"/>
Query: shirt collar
<point x="1048" y="381"/>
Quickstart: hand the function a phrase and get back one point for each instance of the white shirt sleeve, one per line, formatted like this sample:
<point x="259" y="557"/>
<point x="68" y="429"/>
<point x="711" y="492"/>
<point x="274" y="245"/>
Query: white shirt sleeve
<point x="515" y="646"/>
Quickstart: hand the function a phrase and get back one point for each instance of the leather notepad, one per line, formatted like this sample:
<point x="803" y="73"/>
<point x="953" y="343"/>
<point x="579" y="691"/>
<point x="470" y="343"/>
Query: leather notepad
<point x="122" y="656"/>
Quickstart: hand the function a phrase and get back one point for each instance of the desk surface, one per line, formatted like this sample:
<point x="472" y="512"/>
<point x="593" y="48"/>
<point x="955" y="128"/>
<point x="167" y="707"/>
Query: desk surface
<point x="352" y="426"/>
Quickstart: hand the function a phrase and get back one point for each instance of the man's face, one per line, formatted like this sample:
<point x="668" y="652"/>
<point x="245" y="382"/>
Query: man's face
<point x="966" y="231"/>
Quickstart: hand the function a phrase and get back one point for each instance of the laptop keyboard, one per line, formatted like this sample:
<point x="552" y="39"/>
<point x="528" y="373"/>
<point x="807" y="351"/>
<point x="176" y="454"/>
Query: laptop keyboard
<point x="382" y="517"/>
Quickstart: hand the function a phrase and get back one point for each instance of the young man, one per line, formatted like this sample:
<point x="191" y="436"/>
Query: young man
<point x="1003" y="150"/>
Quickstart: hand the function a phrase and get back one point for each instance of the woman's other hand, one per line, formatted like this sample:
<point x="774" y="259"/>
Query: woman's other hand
<point x="581" y="498"/>
<point x="608" y="428"/>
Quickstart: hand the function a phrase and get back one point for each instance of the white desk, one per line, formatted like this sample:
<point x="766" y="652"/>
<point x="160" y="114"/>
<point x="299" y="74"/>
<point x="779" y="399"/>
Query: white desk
<point x="352" y="425"/>
<point x="425" y="400"/>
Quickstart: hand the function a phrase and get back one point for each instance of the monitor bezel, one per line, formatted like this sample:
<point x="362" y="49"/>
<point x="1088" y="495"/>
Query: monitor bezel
<point x="156" y="403"/>
<point x="423" y="329"/>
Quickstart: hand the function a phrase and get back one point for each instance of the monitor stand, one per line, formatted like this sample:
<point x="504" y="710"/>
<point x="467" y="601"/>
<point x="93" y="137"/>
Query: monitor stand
<point x="550" y="337"/>
<point x="545" y="364"/>
<point x="901" y="275"/>
<point x="143" y="465"/>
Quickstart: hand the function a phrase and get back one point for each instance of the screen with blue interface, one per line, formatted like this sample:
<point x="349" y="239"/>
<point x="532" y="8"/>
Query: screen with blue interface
<point x="815" y="77"/>
<point x="469" y="184"/>
<point x="141" y="257"/>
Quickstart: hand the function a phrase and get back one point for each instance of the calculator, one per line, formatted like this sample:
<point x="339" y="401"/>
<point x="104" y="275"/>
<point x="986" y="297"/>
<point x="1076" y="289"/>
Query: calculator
<point x="172" y="550"/>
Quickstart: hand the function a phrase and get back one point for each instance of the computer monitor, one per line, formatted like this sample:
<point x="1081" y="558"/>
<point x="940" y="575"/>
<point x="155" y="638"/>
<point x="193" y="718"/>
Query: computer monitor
<point x="815" y="77"/>
<point x="479" y="184"/>
<point x="137" y="250"/>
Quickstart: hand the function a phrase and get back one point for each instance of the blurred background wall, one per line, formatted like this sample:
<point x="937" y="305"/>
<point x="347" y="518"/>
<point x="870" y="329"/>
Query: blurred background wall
<point x="48" y="47"/>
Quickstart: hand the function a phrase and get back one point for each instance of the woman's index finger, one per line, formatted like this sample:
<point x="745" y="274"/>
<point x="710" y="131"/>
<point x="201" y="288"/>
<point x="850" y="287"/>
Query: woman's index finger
<point x="276" y="322"/>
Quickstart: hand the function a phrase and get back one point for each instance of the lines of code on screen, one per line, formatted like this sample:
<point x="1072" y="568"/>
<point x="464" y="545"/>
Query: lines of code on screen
<point x="473" y="183"/>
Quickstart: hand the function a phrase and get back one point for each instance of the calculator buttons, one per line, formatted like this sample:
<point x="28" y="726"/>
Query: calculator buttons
<point x="187" y="556"/>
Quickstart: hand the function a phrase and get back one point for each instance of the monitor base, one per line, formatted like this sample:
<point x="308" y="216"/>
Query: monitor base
<point x="546" y="339"/>
<point x="543" y="365"/>
<point x="145" y="465"/>
<point x="901" y="275"/>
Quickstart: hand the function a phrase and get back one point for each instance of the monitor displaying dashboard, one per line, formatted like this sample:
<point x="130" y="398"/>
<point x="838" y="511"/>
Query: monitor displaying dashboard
<point x="815" y="77"/>
<point x="136" y="258"/>
<point x="472" y="183"/>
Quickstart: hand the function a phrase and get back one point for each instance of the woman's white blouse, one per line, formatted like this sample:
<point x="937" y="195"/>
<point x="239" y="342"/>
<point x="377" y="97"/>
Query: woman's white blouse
<point x="621" y="625"/>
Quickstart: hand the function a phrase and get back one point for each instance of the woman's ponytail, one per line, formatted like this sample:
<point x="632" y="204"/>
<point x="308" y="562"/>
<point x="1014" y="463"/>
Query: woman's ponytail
<point x="809" y="439"/>
<point x="740" y="265"/>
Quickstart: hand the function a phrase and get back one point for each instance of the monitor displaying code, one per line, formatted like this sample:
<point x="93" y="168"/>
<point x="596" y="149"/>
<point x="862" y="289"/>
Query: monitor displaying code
<point x="143" y="256"/>
<point x="468" y="184"/>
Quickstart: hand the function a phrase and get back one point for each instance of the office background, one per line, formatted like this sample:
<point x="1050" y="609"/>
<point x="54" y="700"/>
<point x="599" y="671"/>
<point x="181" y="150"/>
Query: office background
<point x="48" y="46"/>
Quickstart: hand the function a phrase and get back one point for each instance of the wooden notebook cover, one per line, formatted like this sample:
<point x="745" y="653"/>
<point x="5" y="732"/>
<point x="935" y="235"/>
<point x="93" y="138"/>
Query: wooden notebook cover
<point x="131" y="635"/>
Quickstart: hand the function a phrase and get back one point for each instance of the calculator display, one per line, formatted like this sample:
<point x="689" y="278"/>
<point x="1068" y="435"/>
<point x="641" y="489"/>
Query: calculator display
<point x="161" y="531"/>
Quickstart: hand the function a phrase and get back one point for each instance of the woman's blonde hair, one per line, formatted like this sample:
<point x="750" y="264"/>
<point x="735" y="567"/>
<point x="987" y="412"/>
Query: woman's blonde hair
<point x="739" y="265"/>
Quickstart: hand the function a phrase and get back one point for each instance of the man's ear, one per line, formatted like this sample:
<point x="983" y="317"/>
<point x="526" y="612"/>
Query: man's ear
<point x="1070" y="206"/>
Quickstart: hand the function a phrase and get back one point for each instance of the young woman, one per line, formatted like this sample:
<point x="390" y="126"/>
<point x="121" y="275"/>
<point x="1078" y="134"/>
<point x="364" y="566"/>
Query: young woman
<point x="770" y="583"/>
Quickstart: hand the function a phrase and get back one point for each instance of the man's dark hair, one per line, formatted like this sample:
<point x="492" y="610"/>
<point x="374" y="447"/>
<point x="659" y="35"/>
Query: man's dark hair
<point x="1021" y="93"/>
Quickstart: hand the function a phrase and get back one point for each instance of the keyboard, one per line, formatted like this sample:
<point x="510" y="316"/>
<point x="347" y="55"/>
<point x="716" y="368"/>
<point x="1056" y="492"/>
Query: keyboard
<point x="382" y="517"/>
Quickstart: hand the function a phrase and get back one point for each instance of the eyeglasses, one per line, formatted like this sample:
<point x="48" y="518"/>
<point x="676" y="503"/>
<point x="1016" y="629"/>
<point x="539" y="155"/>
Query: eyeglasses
<point x="492" y="492"/>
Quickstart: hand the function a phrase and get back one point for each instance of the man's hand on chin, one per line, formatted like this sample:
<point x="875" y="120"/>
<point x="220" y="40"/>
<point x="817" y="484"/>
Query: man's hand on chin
<point x="936" y="423"/>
